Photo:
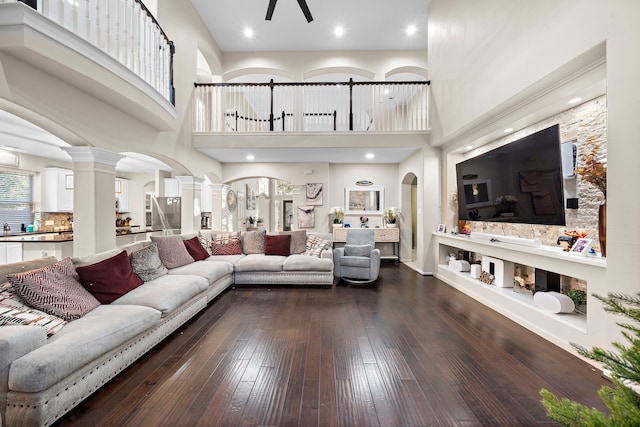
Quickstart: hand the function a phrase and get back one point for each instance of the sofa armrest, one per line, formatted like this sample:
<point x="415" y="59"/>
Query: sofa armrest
<point x="15" y="342"/>
<point x="327" y="253"/>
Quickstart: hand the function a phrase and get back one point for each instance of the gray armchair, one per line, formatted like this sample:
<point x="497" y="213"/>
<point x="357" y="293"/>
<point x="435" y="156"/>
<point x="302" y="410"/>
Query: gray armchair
<point x="358" y="261"/>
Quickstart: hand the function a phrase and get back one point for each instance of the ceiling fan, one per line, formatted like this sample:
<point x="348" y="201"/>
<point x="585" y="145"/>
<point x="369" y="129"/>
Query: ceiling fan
<point x="303" y="6"/>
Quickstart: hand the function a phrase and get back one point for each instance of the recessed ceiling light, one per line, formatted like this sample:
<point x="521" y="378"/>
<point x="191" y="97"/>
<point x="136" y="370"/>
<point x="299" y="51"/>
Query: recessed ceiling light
<point x="248" y="32"/>
<point x="250" y="157"/>
<point x="469" y="147"/>
<point x="386" y="91"/>
<point x="370" y="155"/>
<point x="574" y="100"/>
<point x="508" y="130"/>
<point x="411" y="30"/>
<point x="339" y="31"/>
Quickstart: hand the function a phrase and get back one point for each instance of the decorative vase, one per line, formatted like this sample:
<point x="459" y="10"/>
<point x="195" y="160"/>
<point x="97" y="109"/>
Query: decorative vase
<point x="602" y="227"/>
<point x="391" y="225"/>
<point x="337" y="225"/>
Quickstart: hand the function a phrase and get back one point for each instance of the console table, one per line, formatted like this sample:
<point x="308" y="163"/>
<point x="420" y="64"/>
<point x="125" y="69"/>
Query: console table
<point x="381" y="235"/>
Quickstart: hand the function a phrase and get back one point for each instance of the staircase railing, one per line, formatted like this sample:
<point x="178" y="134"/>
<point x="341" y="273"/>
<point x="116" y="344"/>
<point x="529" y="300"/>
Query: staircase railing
<point x="125" y="29"/>
<point x="309" y="107"/>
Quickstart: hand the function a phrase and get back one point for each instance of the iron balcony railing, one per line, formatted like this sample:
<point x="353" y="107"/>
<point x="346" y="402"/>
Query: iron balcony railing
<point x="124" y="29"/>
<point x="309" y="107"/>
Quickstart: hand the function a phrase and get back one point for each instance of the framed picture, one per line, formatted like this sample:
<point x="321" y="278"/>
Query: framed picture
<point x="314" y="194"/>
<point x="581" y="246"/>
<point x="251" y="198"/>
<point x="306" y="217"/>
<point x="441" y="228"/>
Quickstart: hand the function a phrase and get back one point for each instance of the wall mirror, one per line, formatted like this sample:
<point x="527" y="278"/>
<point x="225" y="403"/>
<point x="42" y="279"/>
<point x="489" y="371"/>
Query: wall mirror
<point x="364" y="201"/>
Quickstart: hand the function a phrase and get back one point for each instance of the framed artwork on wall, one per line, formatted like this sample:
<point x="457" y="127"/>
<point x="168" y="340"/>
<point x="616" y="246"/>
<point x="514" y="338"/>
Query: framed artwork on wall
<point x="306" y="217"/>
<point x="314" y="194"/>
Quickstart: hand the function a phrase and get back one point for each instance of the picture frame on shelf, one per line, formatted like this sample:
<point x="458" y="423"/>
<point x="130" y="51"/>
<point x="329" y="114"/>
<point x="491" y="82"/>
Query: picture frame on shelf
<point x="581" y="247"/>
<point x="441" y="228"/>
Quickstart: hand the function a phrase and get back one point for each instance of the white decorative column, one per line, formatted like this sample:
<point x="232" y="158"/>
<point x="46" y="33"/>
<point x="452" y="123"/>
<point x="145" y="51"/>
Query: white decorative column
<point x="94" y="226"/>
<point x="221" y="217"/>
<point x="190" y="191"/>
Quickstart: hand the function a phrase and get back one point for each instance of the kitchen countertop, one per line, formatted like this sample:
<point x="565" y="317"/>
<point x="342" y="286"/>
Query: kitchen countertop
<point x="56" y="236"/>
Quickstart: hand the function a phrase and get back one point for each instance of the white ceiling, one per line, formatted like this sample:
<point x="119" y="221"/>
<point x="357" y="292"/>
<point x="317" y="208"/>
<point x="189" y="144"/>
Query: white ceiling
<point x="368" y="24"/>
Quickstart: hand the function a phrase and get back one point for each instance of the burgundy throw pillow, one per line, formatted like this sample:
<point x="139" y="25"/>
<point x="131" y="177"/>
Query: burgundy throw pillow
<point x="108" y="280"/>
<point x="277" y="244"/>
<point x="232" y="247"/>
<point x="195" y="249"/>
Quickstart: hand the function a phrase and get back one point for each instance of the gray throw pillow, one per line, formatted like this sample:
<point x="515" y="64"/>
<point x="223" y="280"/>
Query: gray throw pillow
<point x="173" y="252"/>
<point x="298" y="241"/>
<point x="146" y="263"/>
<point x="253" y="242"/>
<point x="357" y="250"/>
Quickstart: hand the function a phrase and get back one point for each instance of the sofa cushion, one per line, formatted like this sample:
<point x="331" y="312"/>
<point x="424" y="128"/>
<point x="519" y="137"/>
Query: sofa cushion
<point x="307" y="263"/>
<point x="166" y="293"/>
<point x="78" y="343"/>
<point x="260" y="262"/>
<point x="298" y="241"/>
<point x="233" y="247"/>
<point x="357" y="250"/>
<point x="253" y="242"/>
<point x="55" y="289"/>
<point x="195" y="249"/>
<point x="315" y="245"/>
<point x="277" y="244"/>
<point x="231" y="259"/>
<point x="172" y="251"/>
<point x="14" y="311"/>
<point x="209" y="270"/>
<point x="146" y="263"/>
<point x="109" y="279"/>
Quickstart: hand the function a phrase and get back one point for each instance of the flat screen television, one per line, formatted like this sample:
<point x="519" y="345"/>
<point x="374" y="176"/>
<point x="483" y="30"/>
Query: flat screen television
<point x="520" y="182"/>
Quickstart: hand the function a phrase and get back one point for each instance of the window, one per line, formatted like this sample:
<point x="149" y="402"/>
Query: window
<point x="16" y="199"/>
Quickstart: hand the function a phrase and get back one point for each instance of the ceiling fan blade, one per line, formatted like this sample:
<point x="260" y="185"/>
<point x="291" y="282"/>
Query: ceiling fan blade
<point x="305" y="10"/>
<point x="272" y="6"/>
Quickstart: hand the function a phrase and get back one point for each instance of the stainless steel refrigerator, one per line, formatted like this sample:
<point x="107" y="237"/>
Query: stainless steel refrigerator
<point x="166" y="213"/>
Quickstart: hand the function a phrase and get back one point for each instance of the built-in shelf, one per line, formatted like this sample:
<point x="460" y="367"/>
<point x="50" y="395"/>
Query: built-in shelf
<point x="561" y="329"/>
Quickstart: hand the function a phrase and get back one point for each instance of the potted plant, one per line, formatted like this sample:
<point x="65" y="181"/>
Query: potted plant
<point x="391" y="216"/>
<point x="252" y="221"/>
<point x="338" y="216"/>
<point x="579" y="298"/>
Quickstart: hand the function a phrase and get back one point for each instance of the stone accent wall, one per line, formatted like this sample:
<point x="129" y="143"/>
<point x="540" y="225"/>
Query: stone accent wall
<point x="587" y="125"/>
<point x="62" y="221"/>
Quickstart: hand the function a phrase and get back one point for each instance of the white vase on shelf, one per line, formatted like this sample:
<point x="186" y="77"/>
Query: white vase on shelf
<point x="337" y="225"/>
<point x="390" y="225"/>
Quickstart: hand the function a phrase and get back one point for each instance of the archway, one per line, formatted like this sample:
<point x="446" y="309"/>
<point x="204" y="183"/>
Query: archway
<point x="409" y="197"/>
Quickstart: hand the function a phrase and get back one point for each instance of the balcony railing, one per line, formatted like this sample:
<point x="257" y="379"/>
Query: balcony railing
<point x="124" y="29"/>
<point x="311" y="107"/>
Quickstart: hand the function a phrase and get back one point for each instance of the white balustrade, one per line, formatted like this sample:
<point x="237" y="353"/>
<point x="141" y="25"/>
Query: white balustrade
<point x="124" y="29"/>
<point x="317" y="107"/>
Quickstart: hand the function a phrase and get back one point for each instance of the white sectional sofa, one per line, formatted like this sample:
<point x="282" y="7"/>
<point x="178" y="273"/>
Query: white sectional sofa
<point x="44" y="377"/>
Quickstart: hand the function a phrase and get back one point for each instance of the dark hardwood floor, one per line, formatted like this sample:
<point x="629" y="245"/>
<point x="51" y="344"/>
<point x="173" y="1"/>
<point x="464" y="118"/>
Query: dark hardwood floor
<point x="408" y="351"/>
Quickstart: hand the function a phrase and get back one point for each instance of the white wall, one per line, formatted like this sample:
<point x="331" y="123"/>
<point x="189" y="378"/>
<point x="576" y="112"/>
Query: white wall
<point x="485" y="56"/>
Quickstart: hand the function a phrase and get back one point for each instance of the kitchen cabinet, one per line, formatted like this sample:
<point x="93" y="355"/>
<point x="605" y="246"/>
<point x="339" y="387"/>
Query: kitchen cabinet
<point x="172" y="187"/>
<point x="10" y="252"/>
<point x="206" y="197"/>
<point x="122" y="195"/>
<point x="58" y="190"/>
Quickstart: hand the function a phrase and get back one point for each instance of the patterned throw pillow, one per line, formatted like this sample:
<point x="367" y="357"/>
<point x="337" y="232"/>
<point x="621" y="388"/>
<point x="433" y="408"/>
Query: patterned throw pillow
<point x="14" y="311"/>
<point x="254" y="242"/>
<point x="205" y="242"/>
<point x="226" y="237"/>
<point x="172" y="251"/>
<point x="146" y="263"/>
<point x="234" y="247"/>
<point x="195" y="249"/>
<point x="277" y="244"/>
<point x="55" y="289"/>
<point x="109" y="279"/>
<point x="316" y="245"/>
